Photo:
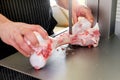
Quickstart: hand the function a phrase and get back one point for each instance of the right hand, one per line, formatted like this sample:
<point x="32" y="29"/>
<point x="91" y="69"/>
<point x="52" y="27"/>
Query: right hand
<point x="15" y="33"/>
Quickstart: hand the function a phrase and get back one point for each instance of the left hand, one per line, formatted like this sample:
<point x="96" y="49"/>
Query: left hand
<point x="82" y="11"/>
<point x="78" y="10"/>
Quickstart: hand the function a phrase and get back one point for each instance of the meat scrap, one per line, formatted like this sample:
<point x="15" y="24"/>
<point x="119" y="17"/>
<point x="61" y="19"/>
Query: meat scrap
<point x="82" y="34"/>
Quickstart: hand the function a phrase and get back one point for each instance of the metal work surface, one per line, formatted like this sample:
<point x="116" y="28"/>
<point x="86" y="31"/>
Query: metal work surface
<point x="77" y="63"/>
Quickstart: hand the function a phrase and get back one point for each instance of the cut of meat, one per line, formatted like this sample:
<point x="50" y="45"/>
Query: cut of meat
<point x="82" y="34"/>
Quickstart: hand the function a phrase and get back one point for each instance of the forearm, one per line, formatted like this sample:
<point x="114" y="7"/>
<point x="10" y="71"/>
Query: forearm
<point x="3" y="19"/>
<point x="64" y="3"/>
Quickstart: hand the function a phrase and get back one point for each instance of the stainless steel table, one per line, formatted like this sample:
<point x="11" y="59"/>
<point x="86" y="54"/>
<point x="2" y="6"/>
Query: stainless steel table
<point x="76" y="63"/>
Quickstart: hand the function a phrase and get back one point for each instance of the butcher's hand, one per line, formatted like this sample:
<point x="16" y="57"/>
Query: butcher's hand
<point x="79" y="10"/>
<point x="16" y="34"/>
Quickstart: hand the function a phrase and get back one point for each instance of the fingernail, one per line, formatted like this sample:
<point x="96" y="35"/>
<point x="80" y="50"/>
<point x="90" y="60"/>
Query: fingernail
<point x="31" y="53"/>
<point x="28" y="55"/>
<point x="37" y="45"/>
<point x="46" y="37"/>
<point x="28" y="42"/>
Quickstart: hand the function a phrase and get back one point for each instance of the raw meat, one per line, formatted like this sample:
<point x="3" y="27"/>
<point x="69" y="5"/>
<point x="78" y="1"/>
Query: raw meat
<point x="82" y="34"/>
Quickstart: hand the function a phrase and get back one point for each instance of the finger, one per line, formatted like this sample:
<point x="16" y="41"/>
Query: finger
<point x="75" y="19"/>
<point x="22" y="44"/>
<point x="29" y="36"/>
<point x="89" y="16"/>
<point x="40" y="30"/>
<point x="19" y="49"/>
<point x="36" y="28"/>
